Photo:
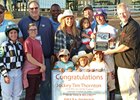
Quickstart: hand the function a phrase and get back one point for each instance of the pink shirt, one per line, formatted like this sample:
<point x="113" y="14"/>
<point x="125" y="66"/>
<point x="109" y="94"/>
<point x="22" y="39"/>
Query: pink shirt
<point x="33" y="47"/>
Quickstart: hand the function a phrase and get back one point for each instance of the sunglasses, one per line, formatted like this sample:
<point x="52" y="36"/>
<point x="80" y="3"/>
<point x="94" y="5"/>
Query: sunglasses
<point x="1" y="12"/>
<point x="34" y="8"/>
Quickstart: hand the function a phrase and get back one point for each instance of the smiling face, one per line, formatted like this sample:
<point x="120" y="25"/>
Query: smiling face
<point x="64" y="58"/>
<point x="13" y="35"/>
<point x="83" y="61"/>
<point x="123" y="13"/>
<point x="86" y="24"/>
<point x="34" y="10"/>
<point x="55" y="11"/>
<point x="32" y="31"/>
<point x="69" y="20"/>
<point x="100" y="19"/>
<point x="88" y="13"/>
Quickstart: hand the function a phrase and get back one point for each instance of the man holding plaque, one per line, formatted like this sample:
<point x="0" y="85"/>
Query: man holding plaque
<point x="127" y="56"/>
<point x="104" y="35"/>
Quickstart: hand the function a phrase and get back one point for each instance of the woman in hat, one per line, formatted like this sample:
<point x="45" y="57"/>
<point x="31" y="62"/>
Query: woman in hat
<point x="10" y="65"/>
<point x="67" y="35"/>
<point x="64" y="64"/>
<point x="82" y="61"/>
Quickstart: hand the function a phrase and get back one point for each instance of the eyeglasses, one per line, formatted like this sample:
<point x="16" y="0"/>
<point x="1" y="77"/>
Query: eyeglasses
<point x="32" y="30"/>
<point x="34" y="8"/>
<point x="1" y="12"/>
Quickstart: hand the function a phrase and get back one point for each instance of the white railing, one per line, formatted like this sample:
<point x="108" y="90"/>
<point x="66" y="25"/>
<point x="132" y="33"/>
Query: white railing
<point x="111" y="9"/>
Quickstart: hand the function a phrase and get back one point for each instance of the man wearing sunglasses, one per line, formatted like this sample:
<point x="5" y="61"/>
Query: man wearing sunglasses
<point x="46" y="36"/>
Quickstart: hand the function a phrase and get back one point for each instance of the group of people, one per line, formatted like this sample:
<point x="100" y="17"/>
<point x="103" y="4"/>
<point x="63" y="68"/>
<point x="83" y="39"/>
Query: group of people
<point x="27" y="50"/>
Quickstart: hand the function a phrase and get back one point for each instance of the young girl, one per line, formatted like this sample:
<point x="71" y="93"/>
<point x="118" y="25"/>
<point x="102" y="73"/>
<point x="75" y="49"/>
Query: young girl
<point x="64" y="64"/>
<point x="82" y="61"/>
<point x="10" y="65"/>
<point x="98" y="64"/>
<point x="86" y="31"/>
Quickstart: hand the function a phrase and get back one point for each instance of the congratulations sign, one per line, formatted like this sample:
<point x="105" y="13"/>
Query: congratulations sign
<point x="79" y="86"/>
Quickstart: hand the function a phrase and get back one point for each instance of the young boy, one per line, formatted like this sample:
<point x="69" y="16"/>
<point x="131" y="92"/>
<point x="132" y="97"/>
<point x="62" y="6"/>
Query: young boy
<point x="63" y="64"/>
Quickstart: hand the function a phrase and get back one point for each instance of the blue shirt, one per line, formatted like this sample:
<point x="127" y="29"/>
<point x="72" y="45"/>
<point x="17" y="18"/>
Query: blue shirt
<point x="3" y="26"/>
<point x="65" y="66"/>
<point x="45" y="32"/>
<point x="54" y="24"/>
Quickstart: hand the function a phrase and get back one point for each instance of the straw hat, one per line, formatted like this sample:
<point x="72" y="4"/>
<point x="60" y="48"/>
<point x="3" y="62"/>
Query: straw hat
<point x="75" y="58"/>
<point x="63" y="52"/>
<point x="66" y="13"/>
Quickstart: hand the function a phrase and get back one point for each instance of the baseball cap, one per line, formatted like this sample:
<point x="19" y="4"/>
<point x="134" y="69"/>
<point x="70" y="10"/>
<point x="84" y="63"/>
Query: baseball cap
<point x="88" y="7"/>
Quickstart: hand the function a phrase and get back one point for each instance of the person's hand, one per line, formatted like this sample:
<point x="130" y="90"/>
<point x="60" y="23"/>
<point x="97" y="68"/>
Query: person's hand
<point x="109" y="51"/>
<point x="7" y="79"/>
<point x="92" y="70"/>
<point x="61" y="70"/>
<point x="70" y="70"/>
<point x="87" y="70"/>
<point x="78" y="70"/>
<point x="92" y="36"/>
<point x="42" y="68"/>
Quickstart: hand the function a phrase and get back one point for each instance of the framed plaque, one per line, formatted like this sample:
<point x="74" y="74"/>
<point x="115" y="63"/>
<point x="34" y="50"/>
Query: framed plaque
<point x="102" y="41"/>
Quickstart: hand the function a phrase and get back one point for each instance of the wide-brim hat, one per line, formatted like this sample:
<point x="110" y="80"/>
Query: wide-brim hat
<point x="66" y="13"/>
<point x="63" y="52"/>
<point x="81" y="54"/>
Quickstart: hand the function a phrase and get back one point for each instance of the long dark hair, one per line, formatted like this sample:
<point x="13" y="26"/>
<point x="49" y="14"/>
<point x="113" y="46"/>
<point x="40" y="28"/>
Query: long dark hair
<point x="81" y="22"/>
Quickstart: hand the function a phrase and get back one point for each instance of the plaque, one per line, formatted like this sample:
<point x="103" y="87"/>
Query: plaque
<point x="102" y="41"/>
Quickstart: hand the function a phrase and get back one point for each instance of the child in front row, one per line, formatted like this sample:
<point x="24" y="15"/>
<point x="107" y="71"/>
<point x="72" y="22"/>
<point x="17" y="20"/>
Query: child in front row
<point x="63" y="64"/>
<point x="82" y="61"/>
<point x="98" y="64"/>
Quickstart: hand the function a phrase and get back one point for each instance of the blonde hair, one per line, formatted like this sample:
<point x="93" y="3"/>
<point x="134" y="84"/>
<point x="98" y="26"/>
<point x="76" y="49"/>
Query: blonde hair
<point x="123" y="5"/>
<point x="62" y="27"/>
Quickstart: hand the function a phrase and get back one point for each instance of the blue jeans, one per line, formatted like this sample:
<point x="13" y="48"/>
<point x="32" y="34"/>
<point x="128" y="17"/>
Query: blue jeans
<point x="45" y="88"/>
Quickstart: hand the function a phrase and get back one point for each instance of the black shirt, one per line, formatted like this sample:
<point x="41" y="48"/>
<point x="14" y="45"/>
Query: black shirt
<point x="129" y="35"/>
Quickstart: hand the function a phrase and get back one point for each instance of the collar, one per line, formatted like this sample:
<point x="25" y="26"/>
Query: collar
<point x="123" y="25"/>
<point x="10" y="41"/>
<point x="53" y="21"/>
<point x="34" y="19"/>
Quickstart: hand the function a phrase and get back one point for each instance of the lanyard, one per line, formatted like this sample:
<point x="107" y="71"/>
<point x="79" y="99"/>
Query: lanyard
<point x="36" y="21"/>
